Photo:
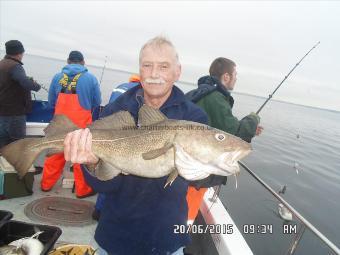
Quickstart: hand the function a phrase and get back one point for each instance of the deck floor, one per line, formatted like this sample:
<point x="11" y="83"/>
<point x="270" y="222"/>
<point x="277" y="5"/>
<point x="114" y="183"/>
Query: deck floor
<point x="78" y="235"/>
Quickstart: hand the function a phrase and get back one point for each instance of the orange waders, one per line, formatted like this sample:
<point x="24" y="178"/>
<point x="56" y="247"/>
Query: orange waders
<point x="67" y="104"/>
<point x="194" y="200"/>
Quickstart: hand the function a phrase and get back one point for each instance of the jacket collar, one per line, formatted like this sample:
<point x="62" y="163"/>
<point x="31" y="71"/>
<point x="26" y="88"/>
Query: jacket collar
<point x="176" y="98"/>
<point x="213" y="81"/>
<point x="16" y="60"/>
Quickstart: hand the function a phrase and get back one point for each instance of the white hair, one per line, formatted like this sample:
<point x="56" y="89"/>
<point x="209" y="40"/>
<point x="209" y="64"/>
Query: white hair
<point x="158" y="41"/>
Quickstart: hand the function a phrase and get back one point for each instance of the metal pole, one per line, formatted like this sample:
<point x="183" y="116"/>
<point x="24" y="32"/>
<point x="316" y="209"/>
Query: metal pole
<point x="296" y="240"/>
<point x="309" y="225"/>
<point x="271" y="95"/>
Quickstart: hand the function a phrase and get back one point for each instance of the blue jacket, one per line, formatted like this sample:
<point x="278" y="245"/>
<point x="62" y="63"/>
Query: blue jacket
<point x="87" y="87"/>
<point x="121" y="89"/>
<point x="139" y="214"/>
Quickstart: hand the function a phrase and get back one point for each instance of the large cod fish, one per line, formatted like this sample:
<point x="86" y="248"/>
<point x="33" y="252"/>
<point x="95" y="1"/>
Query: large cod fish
<point x="156" y="147"/>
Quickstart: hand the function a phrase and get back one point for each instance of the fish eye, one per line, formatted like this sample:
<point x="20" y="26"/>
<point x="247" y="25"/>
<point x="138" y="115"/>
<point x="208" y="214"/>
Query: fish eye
<point x="220" y="137"/>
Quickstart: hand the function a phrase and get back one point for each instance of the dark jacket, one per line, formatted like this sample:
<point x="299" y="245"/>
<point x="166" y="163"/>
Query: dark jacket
<point x="217" y="102"/>
<point x="15" y="88"/>
<point x="139" y="215"/>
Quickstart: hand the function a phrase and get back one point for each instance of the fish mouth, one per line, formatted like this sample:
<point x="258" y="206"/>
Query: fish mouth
<point x="192" y="168"/>
<point x="227" y="163"/>
<point x="239" y="154"/>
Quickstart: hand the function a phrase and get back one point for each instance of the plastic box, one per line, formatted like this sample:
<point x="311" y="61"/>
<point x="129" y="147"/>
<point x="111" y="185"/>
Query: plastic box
<point x="4" y="217"/>
<point x="14" y="230"/>
<point x="11" y="186"/>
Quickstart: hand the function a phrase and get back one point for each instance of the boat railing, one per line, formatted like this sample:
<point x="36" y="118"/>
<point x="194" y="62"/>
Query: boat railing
<point x="305" y="223"/>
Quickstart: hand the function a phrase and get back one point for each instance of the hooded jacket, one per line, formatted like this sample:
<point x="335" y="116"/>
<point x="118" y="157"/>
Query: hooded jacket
<point x="217" y="102"/>
<point x="87" y="87"/>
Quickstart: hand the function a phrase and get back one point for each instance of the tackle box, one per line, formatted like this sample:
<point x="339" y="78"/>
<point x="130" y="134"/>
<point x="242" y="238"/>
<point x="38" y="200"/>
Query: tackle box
<point x="11" y="186"/>
<point x="4" y="217"/>
<point x="13" y="230"/>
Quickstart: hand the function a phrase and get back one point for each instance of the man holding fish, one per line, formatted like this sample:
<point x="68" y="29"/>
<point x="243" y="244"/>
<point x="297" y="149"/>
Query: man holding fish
<point x="143" y="154"/>
<point x="139" y="214"/>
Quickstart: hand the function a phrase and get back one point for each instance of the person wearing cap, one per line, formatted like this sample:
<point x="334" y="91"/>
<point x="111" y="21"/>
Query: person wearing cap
<point x="15" y="94"/>
<point x="74" y="92"/>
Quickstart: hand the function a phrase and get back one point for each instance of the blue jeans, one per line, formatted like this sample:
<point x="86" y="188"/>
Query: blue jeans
<point x="101" y="251"/>
<point x="12" y="128"/>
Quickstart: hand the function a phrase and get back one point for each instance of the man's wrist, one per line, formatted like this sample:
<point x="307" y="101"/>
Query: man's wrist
<point x="93" y="166"/>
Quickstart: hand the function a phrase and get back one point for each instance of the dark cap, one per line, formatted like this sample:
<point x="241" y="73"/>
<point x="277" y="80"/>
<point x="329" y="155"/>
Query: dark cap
<point x="14" y="47"/>
<point x="75" y="56"/>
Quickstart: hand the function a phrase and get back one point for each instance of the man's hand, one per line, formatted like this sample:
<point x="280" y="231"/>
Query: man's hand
<point x="255" y="116"/>
<point x="78" y="147"/>
<point x="259" y="130"/>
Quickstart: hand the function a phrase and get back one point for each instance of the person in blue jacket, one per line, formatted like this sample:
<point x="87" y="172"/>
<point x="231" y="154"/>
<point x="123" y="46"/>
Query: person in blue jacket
<point x="117" y="92"/>
<point x="74" y="92"/>
<point x="122" y="88"/>
<point x="87" y="87"/>
<point x="139" y="215"/>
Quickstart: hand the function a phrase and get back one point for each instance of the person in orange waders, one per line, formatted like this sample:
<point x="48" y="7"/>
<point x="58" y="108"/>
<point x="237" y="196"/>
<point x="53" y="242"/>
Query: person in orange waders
<point x="74" y="92"/>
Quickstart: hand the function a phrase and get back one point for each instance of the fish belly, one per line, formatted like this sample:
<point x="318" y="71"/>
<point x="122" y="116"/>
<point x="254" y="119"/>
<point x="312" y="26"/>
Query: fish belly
<point x="126" y="153"/>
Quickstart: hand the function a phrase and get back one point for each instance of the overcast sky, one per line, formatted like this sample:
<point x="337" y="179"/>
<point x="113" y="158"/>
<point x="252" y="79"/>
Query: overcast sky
<point x="265" y="39"/>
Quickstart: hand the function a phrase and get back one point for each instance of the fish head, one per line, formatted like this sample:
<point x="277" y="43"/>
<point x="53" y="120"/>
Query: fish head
<point x="212" y="151"/>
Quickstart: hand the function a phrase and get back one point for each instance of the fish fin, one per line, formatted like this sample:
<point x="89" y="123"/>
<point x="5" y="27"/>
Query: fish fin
<point x="60" y="124"/>
<point x="157" y="152"/>
<point x="106" y="171"/>
<point x="148" y="116"/>
<point x="21" y="155"/>
<point x="69" y="251"/>
<point x="171" y="178"/>
<point x="117" y="120"/>
<point x="52" y="151"/>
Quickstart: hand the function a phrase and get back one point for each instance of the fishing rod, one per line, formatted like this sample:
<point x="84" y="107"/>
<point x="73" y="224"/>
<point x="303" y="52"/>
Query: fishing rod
<point x="96" y="111"/>
<point x="101" y="77"/>
<point x="43" y="87"/>
<point x="271" y="95"/>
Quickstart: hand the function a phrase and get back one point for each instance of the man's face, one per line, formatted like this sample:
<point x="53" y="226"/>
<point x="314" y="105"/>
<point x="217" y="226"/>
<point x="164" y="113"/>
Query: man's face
<point x="158" y="69"/>
<point x="231" y="80"/>
<point x="20" y="56"/>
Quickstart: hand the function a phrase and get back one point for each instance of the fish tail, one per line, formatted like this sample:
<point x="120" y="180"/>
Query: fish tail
<point x="22" y="153"/>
